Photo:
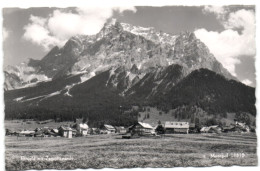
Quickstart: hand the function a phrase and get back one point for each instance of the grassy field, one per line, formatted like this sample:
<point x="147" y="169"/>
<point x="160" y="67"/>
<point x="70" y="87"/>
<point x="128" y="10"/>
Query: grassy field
<point x="110" y="151"/>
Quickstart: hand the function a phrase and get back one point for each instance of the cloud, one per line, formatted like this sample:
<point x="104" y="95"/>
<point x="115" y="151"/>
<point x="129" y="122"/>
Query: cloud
<point x="5" y="33"/>
<point x="219" y="11"/>
<point x="61" y="25"/>
<point x="247" y="82"/>
<point x="37" y="33"/>
<point x="238" y="38"/>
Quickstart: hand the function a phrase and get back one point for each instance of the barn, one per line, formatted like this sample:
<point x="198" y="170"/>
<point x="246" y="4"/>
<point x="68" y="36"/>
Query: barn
<point x="108" y="129"/>
<point x="176" y="127"/>
<point x="141" y="128"/>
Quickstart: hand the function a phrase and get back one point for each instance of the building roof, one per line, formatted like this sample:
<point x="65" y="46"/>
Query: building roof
<point x="145" y="125"/>
<point x="27" y="132"/>
<point x="169" y="124"/>
<point x="119" y="127"/>
<point x="55" y="130"/>
<point x="214" y="126"/>
<point x="228" y="127"/>
<point x="241" y="124"/>
<point x="83" y="126"/>
<point x="205" y="129"/>
<point x="65" y="128"/>
<point x="109" y="127"/>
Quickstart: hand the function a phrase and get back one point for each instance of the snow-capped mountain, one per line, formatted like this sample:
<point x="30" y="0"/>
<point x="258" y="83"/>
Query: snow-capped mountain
<point x="117" y="44"/>
<point x="100" y="97"/>
<point x="21" y="76"/>
<point x="101" y="75"/>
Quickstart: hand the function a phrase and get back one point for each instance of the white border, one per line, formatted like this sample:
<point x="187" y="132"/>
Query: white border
<point x="69" y="3"/>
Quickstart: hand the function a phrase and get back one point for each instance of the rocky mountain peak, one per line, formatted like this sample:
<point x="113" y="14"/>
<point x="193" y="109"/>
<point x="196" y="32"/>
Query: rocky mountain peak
<point x="134" y="69"/>
<point x="117" y="44"/>
<point x="150" y="33"/>
<point x="112" y="27"/>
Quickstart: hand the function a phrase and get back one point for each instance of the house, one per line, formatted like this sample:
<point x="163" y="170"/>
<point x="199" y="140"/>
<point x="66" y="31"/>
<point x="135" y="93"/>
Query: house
<point x="82" y="128"/>
<point x="38" y="134"/>
<point x="243" y="125"/>
<point x="107" y="129"/>
<point x="55" y="130"/>
<point x="211" y="129"/>
<point x="176" y="127"/>
<point x="65" y="131"/>
<point x="227" y="128"/>
<point x="205" y="129"/>
<point x="216" y="128"/>
<point x="27" y="133"/>
<point x="120" y="129"/>
<point x="141" y="128"/>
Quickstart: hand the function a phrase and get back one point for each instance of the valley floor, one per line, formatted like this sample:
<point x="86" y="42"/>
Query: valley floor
<point x="111" y="151"/>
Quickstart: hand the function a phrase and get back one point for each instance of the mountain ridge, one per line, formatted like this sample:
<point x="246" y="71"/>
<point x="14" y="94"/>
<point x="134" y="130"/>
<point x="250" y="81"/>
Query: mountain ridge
<point x="122" y="44"/>
<point x="102" y="76"/>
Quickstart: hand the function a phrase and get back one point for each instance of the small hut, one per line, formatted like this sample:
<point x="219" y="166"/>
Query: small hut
<point x="65" y="131"/>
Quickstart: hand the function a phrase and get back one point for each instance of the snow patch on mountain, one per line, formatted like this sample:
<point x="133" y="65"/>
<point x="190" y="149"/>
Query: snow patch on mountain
<point x="50" y="95"/>
<point x="18" y="98"/>
<point x="150" y="33"/>
<point x="130" y="75"/>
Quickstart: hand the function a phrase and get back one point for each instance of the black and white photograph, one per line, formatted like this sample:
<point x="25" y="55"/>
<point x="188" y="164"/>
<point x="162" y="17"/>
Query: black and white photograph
<point x="129" y="86"/>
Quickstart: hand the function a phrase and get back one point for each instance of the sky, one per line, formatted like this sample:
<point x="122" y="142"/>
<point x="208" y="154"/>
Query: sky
<point x="228" y="31"/>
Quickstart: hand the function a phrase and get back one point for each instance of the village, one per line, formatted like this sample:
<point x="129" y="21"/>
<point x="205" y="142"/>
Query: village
<point x="82" y="129"/>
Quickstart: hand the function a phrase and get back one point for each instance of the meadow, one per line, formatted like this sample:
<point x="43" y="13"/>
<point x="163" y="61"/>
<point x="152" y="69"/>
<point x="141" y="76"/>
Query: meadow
<point x="111" y="151"/>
